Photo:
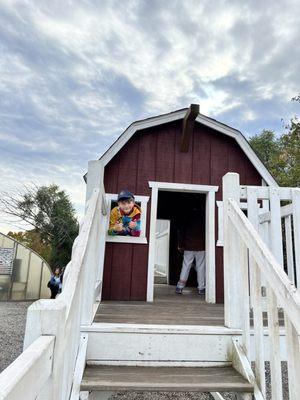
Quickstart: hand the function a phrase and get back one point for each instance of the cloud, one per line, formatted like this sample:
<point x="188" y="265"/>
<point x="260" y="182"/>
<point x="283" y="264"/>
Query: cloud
<point x="73" y="77"/>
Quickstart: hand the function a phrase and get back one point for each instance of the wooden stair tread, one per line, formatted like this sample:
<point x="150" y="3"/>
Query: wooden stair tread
<point x="181" y="379"/>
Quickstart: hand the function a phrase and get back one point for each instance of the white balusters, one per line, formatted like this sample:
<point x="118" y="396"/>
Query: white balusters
<point x="263" y="239"/>
<point x="289" y="247"/>
<point x="296" y="225"/>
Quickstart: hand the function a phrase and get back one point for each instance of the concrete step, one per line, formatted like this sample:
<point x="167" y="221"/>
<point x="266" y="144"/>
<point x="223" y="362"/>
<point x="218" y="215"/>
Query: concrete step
<point x="137" y="344"/>
<point x="172" y="379"/>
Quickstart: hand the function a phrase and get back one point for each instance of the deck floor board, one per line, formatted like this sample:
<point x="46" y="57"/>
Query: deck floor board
<point x="167" y="308"/>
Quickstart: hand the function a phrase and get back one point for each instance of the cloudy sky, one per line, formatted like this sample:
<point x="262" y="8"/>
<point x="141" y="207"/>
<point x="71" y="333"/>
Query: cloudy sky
<point x="75" y="74"/>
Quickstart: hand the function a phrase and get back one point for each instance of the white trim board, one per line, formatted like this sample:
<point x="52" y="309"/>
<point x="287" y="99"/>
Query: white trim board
<point x="202" y="119"/>
<point x="210" y="266"/>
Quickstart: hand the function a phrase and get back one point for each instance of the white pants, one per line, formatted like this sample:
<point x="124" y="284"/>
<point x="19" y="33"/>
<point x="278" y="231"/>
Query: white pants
<point x="188" y="258"/>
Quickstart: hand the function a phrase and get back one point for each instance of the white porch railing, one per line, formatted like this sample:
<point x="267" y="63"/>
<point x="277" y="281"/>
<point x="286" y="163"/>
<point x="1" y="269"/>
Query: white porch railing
<point x="249" y="264"/>
<point x="45" y="369"/>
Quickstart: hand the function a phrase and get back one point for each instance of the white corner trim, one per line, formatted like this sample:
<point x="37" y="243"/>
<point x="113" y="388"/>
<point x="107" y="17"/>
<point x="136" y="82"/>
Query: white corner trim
<point x="128" y="239"/>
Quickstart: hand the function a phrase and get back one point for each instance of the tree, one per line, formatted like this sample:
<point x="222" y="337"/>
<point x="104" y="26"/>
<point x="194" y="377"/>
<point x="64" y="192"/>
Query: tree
<point x="49" y="210"/>
<point x="290" y="155"/>
<point x="267" y="148"/>
<point x="281" y="155"/>
<point x="32" y="239"/>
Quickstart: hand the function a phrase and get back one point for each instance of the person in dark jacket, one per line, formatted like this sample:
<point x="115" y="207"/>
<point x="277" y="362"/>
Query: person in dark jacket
<point x="191" y="241"/>
<point x="55" y="283"/>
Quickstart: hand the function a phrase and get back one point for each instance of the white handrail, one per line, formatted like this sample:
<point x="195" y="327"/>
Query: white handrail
<point x="60" y="319"/>
<point x="287" y="293"/>
<point x="79" y="251"/>
<point x="251" y="262"/>
<point x="28" y="374"/>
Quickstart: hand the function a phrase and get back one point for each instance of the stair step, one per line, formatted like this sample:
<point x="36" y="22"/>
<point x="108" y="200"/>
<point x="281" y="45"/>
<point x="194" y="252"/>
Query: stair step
<point x="171" y="379"/>
<point x="159" y="343"/>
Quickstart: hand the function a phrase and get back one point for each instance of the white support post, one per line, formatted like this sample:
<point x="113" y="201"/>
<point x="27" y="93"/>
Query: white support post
<point x="289" y="247"/>
<point x="90" y="268"/>
<point x="233" y="296"/>
<point x="275" y="225"/>
<point x="296" y="225"/>
<point x="245" y="305"/>
<point x="151" y="254"/>
<point x="210" y="295"/>
<point x="273" y="323"/>
<point x="293" y="351"/>
<point x="95" y="176"/>
<point x="256" y="296"/>
<point x="47" y="317"/>
<point x="275" y="360"/>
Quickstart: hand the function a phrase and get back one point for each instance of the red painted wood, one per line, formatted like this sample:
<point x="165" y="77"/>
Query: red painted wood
<point x="139" y="272"/>
<point x="236" y="160"/>
<point x="201" y="167"/>
<point x="165" y="151"/>
<point x="111" y="174"/>
<point x="107" y="271"/>
<point x="183" y="161"/>
<point x="146" y="162"/>
<point x="120" y="282"/>
<point x="154" y="154"/>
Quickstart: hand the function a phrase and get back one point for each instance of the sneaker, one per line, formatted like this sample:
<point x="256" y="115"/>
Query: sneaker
<point x="178" y="290"/>
<point x="201" y="292"/>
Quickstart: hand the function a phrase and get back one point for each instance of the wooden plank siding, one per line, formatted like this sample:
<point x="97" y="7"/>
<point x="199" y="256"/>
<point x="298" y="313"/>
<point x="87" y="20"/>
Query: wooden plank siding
<point x="154" y="154"/>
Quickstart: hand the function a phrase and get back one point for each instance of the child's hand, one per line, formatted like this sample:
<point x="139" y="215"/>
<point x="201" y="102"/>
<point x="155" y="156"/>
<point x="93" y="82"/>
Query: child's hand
<point x="132" y="224"/>
<point x="118" y="227"/>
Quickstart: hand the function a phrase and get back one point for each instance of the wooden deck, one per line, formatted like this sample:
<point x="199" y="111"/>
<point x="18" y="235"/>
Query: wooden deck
<point x="167" y="308"/>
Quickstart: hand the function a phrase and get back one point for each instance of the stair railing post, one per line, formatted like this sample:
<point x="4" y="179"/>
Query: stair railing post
<point x="233" y="271"/>
<point x="90" y="268"/>
<point x="93" y="262"/>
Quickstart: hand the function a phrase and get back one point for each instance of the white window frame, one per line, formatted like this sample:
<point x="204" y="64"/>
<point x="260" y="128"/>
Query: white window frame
<point x="128" y="239"/>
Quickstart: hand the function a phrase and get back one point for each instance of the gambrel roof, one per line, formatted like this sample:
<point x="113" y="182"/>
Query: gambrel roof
<point x="202" y="119"/>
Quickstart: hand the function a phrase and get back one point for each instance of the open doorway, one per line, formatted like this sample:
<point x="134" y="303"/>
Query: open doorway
<point x="174" y="208"/>
<point x="168" y="200"/>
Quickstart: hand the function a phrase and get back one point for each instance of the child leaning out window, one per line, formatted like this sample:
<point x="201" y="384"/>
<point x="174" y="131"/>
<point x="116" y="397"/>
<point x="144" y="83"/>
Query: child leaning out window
<point x="125" y="218"/>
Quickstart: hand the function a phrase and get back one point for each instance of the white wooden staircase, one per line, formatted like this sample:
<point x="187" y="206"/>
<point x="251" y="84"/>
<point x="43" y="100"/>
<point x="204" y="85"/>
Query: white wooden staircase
<point x="68" y="356"/>
<point x="149" y="357"/>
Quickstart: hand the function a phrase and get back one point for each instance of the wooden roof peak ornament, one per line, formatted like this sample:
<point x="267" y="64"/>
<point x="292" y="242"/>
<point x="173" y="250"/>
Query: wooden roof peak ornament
<point x="188" y="126"/>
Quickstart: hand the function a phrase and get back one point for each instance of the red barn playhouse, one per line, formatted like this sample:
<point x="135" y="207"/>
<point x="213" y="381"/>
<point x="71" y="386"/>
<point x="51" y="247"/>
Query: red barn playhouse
<point x="169" y="162"/>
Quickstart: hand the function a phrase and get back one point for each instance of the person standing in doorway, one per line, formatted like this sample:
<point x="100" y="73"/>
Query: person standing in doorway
<point x="191" y="241"/>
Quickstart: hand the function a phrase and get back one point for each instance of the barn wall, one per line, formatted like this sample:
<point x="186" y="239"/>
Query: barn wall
<point x="154" y="154"/>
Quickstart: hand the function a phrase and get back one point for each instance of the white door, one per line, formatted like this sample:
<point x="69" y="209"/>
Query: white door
<point x="162" y="242"/>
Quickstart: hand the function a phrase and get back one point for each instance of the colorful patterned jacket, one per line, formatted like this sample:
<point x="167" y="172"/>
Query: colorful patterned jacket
<point x="117" y="215"/>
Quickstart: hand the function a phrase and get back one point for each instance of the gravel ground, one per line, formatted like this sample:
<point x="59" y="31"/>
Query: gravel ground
<point x="12" y="327"/>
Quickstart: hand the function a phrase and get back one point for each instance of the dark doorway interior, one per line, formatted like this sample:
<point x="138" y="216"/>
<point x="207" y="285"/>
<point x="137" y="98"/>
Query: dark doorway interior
<point x="173" y="206"/>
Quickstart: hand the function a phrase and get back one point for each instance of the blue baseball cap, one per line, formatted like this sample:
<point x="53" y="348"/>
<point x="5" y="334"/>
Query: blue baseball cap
<point x="125" y="194"/>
